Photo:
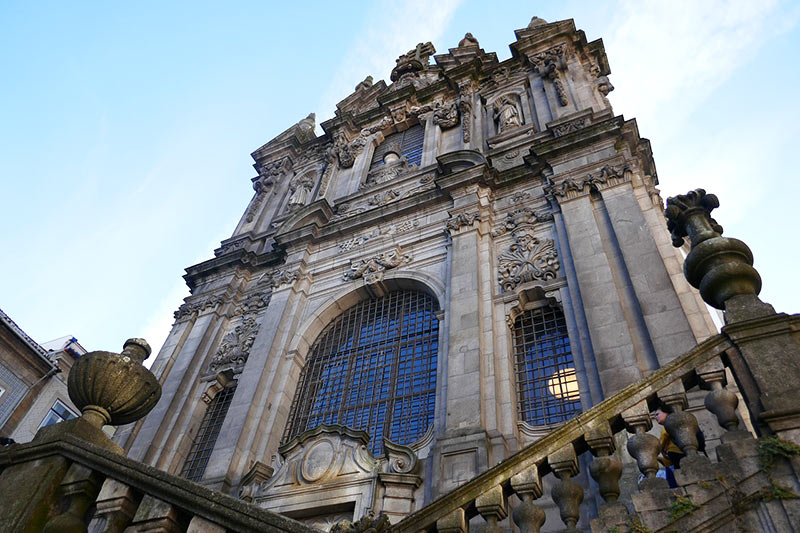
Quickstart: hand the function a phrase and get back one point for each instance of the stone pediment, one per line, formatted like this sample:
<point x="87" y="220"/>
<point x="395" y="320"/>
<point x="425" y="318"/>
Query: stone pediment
<point x="316" y="214"/>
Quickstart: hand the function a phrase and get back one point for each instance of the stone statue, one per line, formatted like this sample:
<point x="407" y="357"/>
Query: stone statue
<point x="506" y="114"/>
<point x="301" y="191"/>
<point x="468" y="40"/>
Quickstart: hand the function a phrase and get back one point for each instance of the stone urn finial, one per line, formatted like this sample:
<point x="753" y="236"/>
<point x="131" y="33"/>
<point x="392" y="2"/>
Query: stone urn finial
<point x="721" y="268"/>
<point x="112" y="388"/>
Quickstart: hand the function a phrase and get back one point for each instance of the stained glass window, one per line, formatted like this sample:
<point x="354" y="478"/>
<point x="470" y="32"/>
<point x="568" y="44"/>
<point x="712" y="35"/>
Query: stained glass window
<point x="547" y="387"/>
<point x="373" y="368"/>
<point x="206" y="437"/>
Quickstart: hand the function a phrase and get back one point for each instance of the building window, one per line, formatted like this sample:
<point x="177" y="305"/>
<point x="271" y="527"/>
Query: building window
<point x="547" y="387"/>
<point x="58" y="413"/>
<point x="206" y="437"/>
<point x="405" y="144"/>
<point x="373" y="368"/>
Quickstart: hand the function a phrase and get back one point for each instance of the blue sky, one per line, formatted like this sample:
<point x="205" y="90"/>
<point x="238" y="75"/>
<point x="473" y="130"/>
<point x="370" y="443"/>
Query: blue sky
<point x="126" y="128"/>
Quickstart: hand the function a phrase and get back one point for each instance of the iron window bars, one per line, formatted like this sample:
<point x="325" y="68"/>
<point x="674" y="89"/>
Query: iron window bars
<point x="547" y="388"/>
<point x="203" y="444"/>
<point x="372" y="368"/>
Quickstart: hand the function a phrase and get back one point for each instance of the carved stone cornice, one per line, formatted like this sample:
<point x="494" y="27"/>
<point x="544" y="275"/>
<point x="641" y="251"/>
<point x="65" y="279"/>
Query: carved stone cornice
<point x="373" y="268"/>
<point x="606" y="177"/>
<point x="236" y="344"/>
<point x="527" y="259"/>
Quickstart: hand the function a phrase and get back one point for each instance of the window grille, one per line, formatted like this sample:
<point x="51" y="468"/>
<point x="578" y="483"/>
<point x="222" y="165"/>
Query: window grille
<point x="58" y="413"/>
<point x="373" y="368"/>
<point x="407" y="143"/>
<point x="206" y="438"/>
<point x="547" y="388"/>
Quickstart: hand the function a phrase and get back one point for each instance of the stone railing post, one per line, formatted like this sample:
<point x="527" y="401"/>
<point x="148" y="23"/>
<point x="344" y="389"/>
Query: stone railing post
<point x="643" y="447"/>
<point x="567" y="494"/>
<point x="454" y="522"/>
<point x="528" y="516"/>
<point x="492" y="507"/>
<point x="721" y="268"/>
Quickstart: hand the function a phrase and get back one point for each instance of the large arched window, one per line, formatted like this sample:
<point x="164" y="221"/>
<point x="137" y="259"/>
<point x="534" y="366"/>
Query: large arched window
<point x="547" y="387"/>
<point x="373" y="368"/>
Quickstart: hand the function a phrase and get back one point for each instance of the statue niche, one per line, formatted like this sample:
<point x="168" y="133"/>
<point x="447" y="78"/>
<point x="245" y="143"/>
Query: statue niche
<point x="506" y="113"/>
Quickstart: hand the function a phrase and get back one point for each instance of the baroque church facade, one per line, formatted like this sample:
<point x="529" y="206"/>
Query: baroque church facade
<point x="468" y="256"/>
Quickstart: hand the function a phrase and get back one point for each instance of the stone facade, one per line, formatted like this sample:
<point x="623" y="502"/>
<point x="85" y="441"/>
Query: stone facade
<point x="529" y="191"/>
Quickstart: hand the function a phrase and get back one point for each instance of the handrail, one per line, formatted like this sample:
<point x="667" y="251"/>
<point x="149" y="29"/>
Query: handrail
<point x="186" y="495"/>
<point x="608" y="411"/>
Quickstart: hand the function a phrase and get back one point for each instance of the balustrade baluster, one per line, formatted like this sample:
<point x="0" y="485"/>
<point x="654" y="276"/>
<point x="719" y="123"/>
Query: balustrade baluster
<point x="643" y="447"/>
<point x="567" y="494"/>
<point x="454" y="522"/>
<point x="116" y="506"/>
<point x="156" y="516"/>
<point x="606" y="470"/>
<point x="201" y="525"/>
<point x="79" y="486"/>
<point x="528" y="516"/>
<point x="492" y="507"/>
<point x="721" y="402"/>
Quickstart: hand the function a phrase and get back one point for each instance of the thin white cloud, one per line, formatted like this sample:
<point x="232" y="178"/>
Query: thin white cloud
<point x="391" y="28"/>
<point x="669" y="57"/>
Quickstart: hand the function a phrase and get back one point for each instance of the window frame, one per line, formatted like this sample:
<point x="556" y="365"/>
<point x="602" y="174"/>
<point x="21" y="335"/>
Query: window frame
<point x="52" y="412"/>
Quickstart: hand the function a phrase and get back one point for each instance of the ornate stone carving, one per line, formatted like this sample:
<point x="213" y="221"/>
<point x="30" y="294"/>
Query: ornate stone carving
<point x="236" y="344"/>
<point x="461" y="220"/>
<point x="465" y="91"/>
<point x="412" y="61"/>
<point x="391" y="229"/>
<point x="446" y="116"/>
<point x="468" y="41"/>
<point x="569" y="127"/>
<point x="386" y="173"/>
<point x="519" y="197"/>
<point x="400" y="459"/>
<point x="231" y="247"/>
<point x="527" y="259"/>
<point x="279" y="278"/>
<point x="300" y="188"/>
<point x="522" y="217"/>
<point x="372" y="269"/>
<point x="186" y="309"/>
<point x="368" y="523"/>
<point x="506" y="114"/>
<point x="383" y="198"/>
<point x="608" y="175"/>
<point x="366" y="84"/>
<point x="269" y="174"/>
<point x="253" y="303"/>
<point x="548" y="65"/>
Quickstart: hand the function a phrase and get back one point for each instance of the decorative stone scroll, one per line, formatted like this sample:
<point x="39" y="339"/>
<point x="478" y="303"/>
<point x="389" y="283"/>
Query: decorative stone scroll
<point x="608" y="175"/>
<point x="236" y="345"/>
<point x="373" y="268"/>
<point x="279" y="278"/>
<point x="391" y="229"/>
<point x="253" y="303"/>
<point x="521" y="217"/>
<point x="461" y="220"/>
<point x="188" y="308"/>
<point x="269" y="174"/>
<point x="527" y="259"/>
<point x="548" y="65"/>
<point x="400" y="459"/>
